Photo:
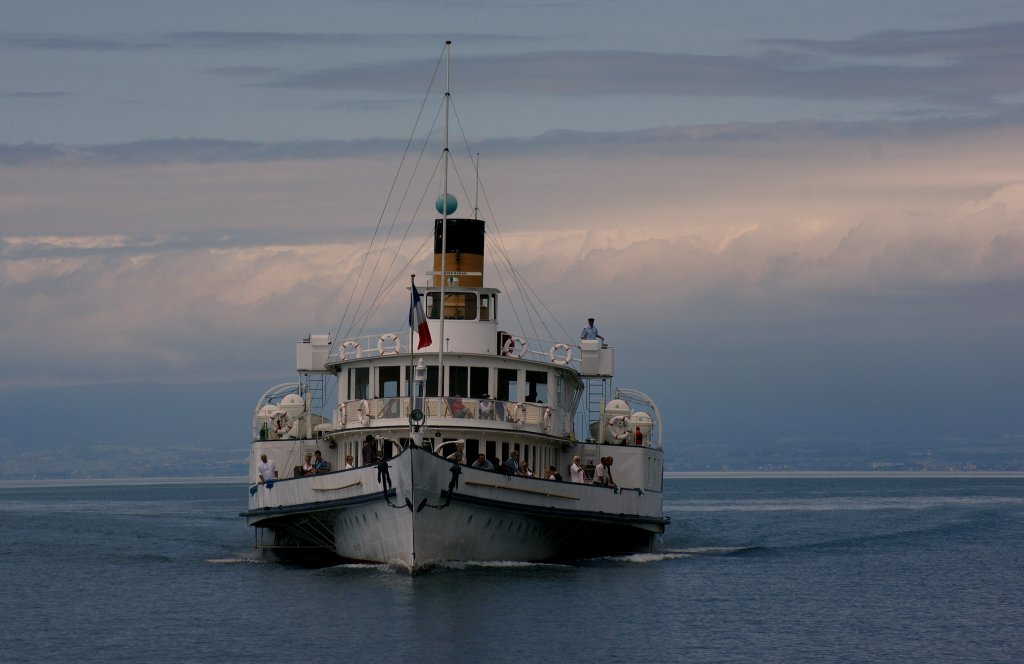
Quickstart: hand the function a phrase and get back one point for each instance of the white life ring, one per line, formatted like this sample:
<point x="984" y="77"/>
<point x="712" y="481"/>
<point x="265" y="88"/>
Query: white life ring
<point x="342" y="414"/>
<point x="517" y="412"/>
<point x="389" y="344"/>
<point x="284" y="425"/>
<point x="351" y="349"/>
<point x="556" y="358"/>
<point x="547" y="419"/>
<point x="514" y="347"/>
<point x="364" y="412"/>
<point x="619" y="426"/>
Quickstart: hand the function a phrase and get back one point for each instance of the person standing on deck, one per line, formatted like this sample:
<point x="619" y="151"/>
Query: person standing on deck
<point x="267" y="470"/>
<point x="576" y="472"/>
<point x="590" y="331"/>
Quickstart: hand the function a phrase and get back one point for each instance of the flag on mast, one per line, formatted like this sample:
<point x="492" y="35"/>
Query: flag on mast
<point x="418" y="319"/>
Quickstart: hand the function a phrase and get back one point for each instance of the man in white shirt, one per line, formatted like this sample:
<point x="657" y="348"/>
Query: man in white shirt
<point x="576" y="473"/>
<point x="267" y="470"/>
<point x="590" y="331"/>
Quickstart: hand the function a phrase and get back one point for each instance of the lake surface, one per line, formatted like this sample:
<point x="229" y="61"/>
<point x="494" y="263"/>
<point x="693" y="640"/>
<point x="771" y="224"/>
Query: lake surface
<point x="791" y="569"/>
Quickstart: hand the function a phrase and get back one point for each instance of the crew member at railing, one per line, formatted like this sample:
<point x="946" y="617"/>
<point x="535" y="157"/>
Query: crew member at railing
<point x="590" y="331"/>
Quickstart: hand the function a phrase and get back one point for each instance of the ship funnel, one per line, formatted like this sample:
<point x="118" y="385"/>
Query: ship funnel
<point x="464" y="250"/>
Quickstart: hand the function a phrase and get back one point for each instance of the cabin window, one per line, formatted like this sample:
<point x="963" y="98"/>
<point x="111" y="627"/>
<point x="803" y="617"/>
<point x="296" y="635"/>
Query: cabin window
<point x="433" y="305"/>
<point x="485" y="307"/>
<point x="460" y="306"/>
<point x="388" y="380"/>
<point x="508" y="385"/>
<point x="432" y="382"/>
<point x="537" y="386"/>
<point x="359" y="383"/>
<point x="458" y="381"/>
<point x="478" y="383"/>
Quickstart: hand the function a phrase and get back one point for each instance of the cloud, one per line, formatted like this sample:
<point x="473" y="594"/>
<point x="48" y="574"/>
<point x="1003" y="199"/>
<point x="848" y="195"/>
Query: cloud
<point x="992" y="41"/>
<point x="230" y="40"/>
<point x="790" y="70"/>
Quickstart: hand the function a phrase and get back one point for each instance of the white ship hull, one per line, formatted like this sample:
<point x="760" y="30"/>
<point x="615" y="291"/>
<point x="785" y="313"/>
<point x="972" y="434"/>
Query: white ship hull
<point x="434" y="511"/>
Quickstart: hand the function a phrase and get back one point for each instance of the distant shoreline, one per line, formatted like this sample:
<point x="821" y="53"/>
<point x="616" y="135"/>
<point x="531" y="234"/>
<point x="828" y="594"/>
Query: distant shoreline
<point x="672" y="475"/>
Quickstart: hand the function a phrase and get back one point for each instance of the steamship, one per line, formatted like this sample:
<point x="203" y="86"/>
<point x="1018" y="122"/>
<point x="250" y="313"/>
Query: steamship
<point x="425" y="434"/>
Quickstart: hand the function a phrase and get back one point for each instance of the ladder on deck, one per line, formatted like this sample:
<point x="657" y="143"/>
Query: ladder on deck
<point x="596" y="390"/>
<point x="315" y="387"/>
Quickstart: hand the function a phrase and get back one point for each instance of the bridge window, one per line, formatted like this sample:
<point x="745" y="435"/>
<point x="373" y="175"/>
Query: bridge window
<point x="359" y="383"/>
<point x="485" y="307"/>
<point x="478" y="383"/>
<point x="460" y="306"/>
<point x="537" y="386"/>
<point x="388" y="379"/>
<point x="458" y="381"/>
<point x="508" y="385"/>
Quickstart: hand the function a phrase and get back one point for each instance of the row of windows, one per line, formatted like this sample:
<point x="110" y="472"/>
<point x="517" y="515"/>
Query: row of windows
<point x="462" y="381"/>
<point x="462" y="306"/>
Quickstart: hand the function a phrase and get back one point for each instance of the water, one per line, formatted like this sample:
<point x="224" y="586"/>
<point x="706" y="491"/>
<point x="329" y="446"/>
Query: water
<point x="756" y="570"/>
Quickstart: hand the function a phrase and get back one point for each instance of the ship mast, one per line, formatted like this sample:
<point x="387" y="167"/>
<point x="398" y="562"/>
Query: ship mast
<point x="444" y="219"/>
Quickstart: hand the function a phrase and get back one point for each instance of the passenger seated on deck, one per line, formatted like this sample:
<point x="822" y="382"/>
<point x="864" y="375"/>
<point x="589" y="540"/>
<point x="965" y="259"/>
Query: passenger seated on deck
<point x="457" y="407"/>
<point x="456" y="456"/>
<point x="512" y="463"/>
<point x="348" y="463"/>
<point x="482" y="463"/>
<point x="319" y="464"/>
<point x="307" y="466"/>
<point x="486" y="408"/>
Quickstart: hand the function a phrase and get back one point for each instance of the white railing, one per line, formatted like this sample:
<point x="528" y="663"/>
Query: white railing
<point x="474" y="412"/>
<point x="392" y="344"/>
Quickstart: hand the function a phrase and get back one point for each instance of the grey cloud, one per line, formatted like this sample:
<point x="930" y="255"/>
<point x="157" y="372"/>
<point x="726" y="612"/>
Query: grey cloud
<point x="986" y="41"/>
<point x="133" y="245"/>
<point x="775" y="74"/>
<point x="659" y="140"/>
<point x="197" y="150"/>
<point x="72" y="42"/>
<point x="35" y="95"/>
<point x="233" y="40"/>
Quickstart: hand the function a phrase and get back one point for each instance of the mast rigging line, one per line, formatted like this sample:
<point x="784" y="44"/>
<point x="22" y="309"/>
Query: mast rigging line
<point x="384" y="285"/>
<point x="367" y="304"/>
<point x="380" y="219"/>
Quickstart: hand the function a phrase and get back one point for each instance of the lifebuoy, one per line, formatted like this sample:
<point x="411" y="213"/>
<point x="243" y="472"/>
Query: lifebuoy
<point x="364" y="412"/>
<point x="342" y="414"/>
<point x="514" y="347"/>
<point x="517" y="412"/>
<point x="351" y="349"/>
<point x="389" y="344"/>
<point x="619" y="426"/>
<point x="284" y="426"/>
<point x="547" y="419"/>
<point x="556" y="358"/>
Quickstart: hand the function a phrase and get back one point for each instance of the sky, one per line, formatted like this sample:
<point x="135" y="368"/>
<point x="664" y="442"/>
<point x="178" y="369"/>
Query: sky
<point x="792" y="220"/>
